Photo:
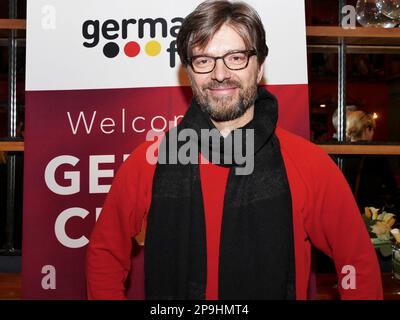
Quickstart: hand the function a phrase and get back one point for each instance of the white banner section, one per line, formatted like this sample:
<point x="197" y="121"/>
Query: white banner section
<point x="131" y="46"/>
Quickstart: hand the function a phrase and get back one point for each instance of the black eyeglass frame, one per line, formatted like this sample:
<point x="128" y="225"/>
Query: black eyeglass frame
<point x="249" y="54"/>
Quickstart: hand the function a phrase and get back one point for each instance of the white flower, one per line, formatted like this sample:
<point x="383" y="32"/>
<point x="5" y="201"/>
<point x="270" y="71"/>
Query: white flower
<point x="374" y="213"/>
<point x="396" y="234"/>
<point x="382" y="230"/>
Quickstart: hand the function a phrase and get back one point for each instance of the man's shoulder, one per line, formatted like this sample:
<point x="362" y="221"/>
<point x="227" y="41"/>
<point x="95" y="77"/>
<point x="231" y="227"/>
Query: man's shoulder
<point x="140" y="159"/>
<point x="140" y="151"/>
<point x="310" y="161"/>
<point x="305" y="156"/>
<point x="298" y="146"/>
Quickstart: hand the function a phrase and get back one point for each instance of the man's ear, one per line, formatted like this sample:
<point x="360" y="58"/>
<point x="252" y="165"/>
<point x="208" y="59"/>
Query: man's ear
<point x="260" y="73"/>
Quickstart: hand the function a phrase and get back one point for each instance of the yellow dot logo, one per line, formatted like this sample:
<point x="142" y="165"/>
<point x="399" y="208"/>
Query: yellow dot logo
<point x="153" y="48"/>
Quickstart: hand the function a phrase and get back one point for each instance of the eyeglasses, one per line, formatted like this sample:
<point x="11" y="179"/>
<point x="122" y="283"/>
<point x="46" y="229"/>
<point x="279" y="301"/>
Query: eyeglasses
<point x="234" y="60"/>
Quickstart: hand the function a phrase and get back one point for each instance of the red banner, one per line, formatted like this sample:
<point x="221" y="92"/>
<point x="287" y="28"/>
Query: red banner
<point x="96" y="84"/>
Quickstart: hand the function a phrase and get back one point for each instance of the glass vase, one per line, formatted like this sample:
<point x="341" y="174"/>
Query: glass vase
<point x="396" y="261"/>
<point x="390" y="8"/>
<point x="384" y="254"/>
<point x="369" y="14"/>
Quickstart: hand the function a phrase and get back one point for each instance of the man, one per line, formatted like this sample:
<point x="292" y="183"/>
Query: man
<point x="211" y="232"/>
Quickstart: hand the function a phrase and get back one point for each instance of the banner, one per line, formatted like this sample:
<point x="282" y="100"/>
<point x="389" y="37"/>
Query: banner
<point x="99" y="75"/>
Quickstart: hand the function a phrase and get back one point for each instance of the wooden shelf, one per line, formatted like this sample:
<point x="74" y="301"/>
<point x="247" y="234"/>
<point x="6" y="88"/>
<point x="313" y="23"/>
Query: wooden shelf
<point x="361" y="149"/>
<point x="18" y="146"/>
<point x="12" y="146"/>
<point x="359" y="37"/>
<point x="10" y="286"/>
<point x="13" y="24"/>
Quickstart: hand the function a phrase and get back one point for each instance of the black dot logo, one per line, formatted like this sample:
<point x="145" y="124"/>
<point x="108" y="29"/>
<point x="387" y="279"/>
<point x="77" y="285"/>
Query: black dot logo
<point x="111" y="50"/>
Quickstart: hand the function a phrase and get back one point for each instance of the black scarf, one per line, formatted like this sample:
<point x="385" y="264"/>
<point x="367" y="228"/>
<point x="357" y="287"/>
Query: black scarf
<point x="256" y="258"/>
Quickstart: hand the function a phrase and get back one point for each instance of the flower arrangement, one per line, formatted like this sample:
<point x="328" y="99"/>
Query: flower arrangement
<point x="379" y="224"/>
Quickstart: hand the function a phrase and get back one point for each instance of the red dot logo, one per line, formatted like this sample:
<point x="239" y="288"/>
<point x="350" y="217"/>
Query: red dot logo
<point x="132" y="49"/>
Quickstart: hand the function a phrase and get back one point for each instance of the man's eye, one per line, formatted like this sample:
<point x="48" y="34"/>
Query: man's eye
<point x="237" y="58"/>
<point x="202" y="61"/>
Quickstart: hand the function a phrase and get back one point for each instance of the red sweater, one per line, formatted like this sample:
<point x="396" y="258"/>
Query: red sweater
<point x="324" y="214"/>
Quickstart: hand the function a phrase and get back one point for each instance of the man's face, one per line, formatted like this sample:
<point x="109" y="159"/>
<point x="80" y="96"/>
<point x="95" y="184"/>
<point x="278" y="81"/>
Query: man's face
<point x="223" y="93"/>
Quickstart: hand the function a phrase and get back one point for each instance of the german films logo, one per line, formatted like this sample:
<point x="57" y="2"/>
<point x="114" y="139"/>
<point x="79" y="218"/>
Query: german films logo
<point x="127" y="36"/>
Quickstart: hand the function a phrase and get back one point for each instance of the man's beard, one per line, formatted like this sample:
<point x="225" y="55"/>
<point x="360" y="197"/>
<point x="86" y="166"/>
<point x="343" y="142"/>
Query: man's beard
<point x="225" y="108"/>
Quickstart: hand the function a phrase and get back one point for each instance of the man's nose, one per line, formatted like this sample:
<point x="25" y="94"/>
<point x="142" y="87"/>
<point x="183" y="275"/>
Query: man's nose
<point x="220" y="72"/>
